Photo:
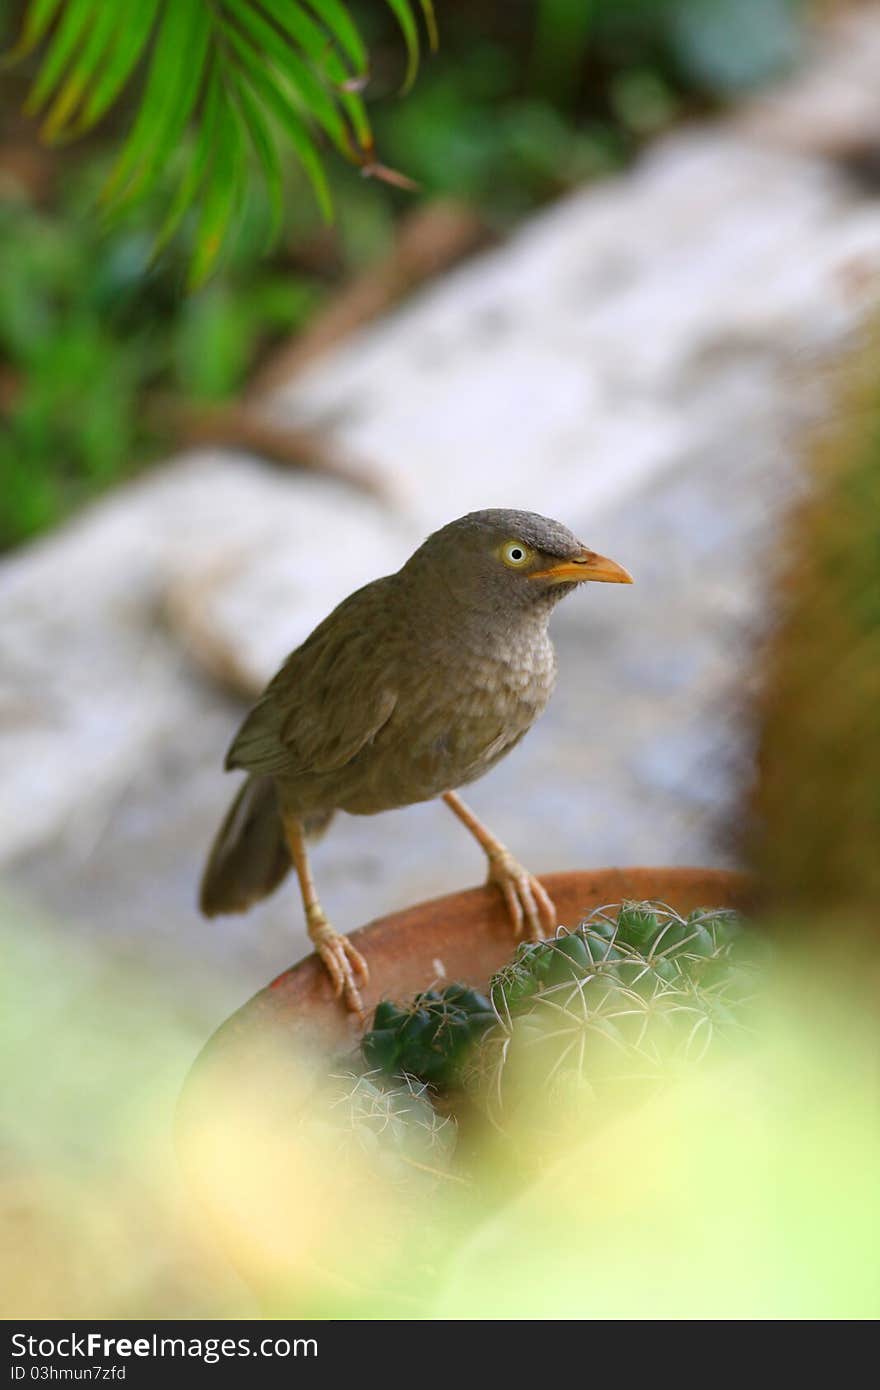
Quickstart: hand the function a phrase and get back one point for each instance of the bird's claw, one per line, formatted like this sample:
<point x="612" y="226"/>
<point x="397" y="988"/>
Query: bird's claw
<point x="528" y="903"/>
<point x="343" y="962"/>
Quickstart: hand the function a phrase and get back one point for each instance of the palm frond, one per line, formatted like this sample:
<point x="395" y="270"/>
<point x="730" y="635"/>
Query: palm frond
<point x="251" y="81"/>
<point x="336" y="19"/>
<point x="37" y="20"/>
<point x="406" y="20"/>
<point x="118" y="61"/>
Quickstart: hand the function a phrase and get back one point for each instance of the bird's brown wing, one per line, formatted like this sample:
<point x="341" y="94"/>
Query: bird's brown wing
<point x="330" y="698"/>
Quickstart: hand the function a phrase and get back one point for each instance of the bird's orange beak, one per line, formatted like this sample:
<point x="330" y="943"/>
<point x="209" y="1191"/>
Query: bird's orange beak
<point x="585" y="566"/>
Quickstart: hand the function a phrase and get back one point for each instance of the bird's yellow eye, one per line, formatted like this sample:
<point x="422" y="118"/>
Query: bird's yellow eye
<point x="515" y="555"/>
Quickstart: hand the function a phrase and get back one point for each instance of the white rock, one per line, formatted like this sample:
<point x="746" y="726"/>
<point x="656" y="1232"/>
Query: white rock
<point x="567" y="368"/>
<point x="830" y="105"/>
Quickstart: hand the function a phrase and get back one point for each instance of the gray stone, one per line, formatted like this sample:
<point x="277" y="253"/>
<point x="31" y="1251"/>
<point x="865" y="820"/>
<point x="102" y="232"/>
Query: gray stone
<point x="830" y="104"/>
<point x="626" y="328"/>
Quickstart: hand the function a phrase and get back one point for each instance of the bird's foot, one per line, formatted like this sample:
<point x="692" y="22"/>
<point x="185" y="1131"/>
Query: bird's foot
<point x="343" y="962"/>
<point x="528" y="903"/>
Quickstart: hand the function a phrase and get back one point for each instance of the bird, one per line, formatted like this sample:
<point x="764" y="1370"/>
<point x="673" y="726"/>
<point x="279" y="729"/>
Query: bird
<point x="413" y="686"/>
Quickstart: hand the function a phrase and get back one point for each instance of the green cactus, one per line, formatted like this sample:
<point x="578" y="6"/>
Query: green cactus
<point x="619" y="1006"/>
<point x="392" y="1127"/>
<point x="661" y="934"/>
<point x="633" y="937"/>
<point x="430" y="1037"/>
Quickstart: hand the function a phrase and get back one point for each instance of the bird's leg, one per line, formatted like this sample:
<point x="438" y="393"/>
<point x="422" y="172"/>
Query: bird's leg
<point x="344" y="963"/>
<point x="528" y="903"/>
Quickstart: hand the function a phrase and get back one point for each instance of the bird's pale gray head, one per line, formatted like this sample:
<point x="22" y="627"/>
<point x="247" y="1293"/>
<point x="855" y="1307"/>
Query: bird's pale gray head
<point x="510" y="560"/>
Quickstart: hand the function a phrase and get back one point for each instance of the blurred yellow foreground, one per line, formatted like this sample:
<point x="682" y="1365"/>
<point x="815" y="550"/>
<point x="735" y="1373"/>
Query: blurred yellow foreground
<point x="747" y="1190"/>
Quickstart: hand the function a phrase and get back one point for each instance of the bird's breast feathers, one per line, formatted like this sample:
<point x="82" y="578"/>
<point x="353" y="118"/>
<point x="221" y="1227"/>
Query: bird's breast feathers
<point x="451" y="724"/>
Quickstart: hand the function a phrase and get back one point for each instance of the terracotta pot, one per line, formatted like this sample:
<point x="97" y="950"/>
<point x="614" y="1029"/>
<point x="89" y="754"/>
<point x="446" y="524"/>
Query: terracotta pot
<point x="464" y="936"/>
<point x="279" y="1220"/>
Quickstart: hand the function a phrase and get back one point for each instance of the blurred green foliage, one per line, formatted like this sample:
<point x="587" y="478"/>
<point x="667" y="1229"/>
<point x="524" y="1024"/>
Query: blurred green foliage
<point x="251" y="82"/>
<point x="817" y="799"/>
<point x="98" y="338"/>
<point x="92" y="330"/>
<point x="521" y="102"/>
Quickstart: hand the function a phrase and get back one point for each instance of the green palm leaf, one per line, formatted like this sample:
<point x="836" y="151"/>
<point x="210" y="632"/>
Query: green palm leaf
<point x="96" y="44"/>
<point x="258" y="41"/>
<point x="250" y="79"/>
<point x="409" y="28"/>
<point x="124" y="52"/>
<point x="200" y="160"/>
<point x="73" y="19"/>
<point x="36" y="23"/>
<point x="406" y="20"/>
<point x="267" y="153"/>
<point x="173" y="85"/>
<point x="338" y="21"/>
<point x="223" y="189"/>
<point x="274" y="100"/>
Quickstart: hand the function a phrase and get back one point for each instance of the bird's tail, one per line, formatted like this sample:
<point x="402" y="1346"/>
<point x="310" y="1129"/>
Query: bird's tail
<point x="249" y="856"/>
